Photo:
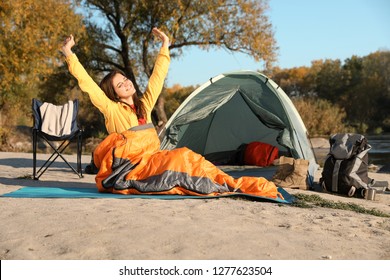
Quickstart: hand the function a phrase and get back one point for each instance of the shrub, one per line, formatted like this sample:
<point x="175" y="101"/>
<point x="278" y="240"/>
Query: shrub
<point x="321" y="117"/>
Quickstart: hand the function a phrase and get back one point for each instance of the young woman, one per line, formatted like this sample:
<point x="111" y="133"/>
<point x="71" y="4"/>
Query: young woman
<point x="116" y="97"/>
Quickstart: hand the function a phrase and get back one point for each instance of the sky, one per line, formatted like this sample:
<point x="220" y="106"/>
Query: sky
<point x="305" y="30"/>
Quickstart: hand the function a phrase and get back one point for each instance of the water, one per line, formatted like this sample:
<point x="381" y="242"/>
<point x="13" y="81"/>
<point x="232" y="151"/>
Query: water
<point x="380" y="151"/>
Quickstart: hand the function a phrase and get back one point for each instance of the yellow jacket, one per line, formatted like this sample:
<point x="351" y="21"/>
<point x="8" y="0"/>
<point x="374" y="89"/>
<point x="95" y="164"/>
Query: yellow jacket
<point x="118" y="116"/>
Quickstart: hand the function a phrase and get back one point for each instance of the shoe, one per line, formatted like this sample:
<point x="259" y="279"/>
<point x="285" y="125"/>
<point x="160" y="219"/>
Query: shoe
<point x="285" y="167"/>
<point x="292" y="173"/>
<point x="91" y="168"/>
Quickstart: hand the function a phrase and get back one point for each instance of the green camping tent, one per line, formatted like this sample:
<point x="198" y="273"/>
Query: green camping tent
<point x="238" y="108"/>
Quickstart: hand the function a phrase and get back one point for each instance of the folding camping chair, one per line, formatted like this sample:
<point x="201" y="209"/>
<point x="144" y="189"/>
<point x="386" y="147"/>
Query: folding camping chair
<point x="54" y="123"/>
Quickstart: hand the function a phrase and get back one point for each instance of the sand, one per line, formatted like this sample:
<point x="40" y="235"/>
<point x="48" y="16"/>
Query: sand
<point x="199" y="229"/>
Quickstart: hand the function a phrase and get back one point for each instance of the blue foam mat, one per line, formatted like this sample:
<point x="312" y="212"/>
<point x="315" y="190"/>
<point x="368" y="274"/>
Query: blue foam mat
<point x="54" y="192"/>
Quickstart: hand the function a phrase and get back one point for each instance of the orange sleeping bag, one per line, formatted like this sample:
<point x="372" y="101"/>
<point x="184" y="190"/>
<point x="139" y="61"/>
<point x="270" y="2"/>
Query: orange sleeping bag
<point x="260" y="154"/>
<point x="132" y="163"/>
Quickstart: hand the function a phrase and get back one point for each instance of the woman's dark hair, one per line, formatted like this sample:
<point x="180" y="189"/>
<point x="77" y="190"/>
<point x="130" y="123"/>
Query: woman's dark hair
<point x="107" y="86"/>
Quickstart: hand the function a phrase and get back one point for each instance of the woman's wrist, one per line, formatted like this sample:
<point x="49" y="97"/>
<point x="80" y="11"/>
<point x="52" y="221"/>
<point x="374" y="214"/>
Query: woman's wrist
<point x="165" y="44"/>
<point x="165" y="41"/>
<point x="67" y="52"/>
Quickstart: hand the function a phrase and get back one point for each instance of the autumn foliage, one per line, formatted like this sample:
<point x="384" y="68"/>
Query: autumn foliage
<point x="331" y="95"/>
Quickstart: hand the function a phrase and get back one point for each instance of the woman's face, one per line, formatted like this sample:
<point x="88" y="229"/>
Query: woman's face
<point x="124" y="88"/>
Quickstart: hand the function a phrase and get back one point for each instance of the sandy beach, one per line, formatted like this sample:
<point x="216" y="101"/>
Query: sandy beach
<point x="199" y="229"/>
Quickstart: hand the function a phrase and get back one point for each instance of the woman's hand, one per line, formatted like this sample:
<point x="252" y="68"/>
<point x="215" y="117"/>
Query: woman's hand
<point x="162" y="36"/>
<point x="67" y="45"/>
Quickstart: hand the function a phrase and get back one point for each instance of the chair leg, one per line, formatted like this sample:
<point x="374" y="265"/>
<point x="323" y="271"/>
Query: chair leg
<point x="35" y="154"/>
<point x="79" y="151"/>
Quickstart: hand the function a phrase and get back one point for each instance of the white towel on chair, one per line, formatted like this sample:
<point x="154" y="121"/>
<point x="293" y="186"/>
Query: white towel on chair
<point x="57" y="120"/>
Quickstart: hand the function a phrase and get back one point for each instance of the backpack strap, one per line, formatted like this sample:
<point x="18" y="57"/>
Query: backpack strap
<point x="335" y="175"/>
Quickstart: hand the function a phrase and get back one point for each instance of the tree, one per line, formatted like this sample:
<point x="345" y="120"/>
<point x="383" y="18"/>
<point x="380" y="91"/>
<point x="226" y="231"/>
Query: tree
<point x="329" y="79"/>
<point x="358" y="90"/>
<point x="294" y="81"/>
<point x="124" y="39"/>
<point x="30" y="35"/>
<point x="174" y="96"/>
<point x="375" y="89"/>
<point x="354" y="98"/>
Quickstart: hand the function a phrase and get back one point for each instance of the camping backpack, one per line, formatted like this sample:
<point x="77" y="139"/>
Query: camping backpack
<point x="346" y="166"/>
